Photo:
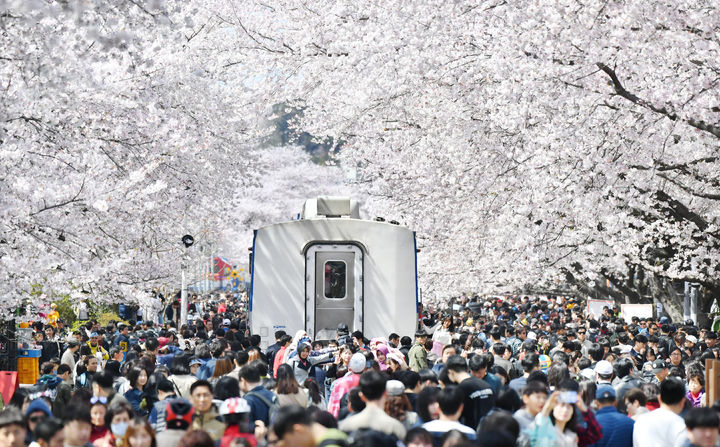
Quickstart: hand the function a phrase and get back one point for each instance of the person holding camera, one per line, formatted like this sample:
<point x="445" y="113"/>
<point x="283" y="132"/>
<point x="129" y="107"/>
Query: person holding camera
<point x="556" y="424"/>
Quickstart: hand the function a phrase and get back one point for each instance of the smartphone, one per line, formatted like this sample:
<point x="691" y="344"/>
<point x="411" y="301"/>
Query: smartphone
<point x="568" y="397"/>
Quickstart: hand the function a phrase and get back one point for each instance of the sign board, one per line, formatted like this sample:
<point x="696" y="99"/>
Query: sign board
<point x="595" y="307"/>
<point x="636" y="310"/>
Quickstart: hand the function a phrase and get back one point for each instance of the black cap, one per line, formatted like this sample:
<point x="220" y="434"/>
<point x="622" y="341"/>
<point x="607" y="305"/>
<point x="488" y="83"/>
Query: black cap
<point x="658" y="365"/>
<point x="421" y="333"/>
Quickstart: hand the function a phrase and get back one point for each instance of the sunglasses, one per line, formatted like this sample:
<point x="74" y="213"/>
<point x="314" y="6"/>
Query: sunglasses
<point x="36" y="419"/>
<point x="101" y="399"/>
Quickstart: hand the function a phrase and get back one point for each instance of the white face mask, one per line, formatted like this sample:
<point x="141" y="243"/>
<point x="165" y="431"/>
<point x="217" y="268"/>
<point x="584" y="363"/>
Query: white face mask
<point x="119" y="429"/>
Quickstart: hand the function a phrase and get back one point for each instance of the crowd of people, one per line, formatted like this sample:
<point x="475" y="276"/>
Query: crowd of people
<point x="488" y="371"/>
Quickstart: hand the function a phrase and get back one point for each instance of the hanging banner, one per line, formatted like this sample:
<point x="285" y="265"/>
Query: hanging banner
<point x="595" y="307"/>
<point x="636" y="310"/>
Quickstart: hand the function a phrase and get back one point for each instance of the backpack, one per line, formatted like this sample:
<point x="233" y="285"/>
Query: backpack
<point x="273" y="406"/>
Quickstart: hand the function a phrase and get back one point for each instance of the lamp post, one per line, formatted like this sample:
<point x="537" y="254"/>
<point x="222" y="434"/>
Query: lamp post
<point x="187" y="241"/>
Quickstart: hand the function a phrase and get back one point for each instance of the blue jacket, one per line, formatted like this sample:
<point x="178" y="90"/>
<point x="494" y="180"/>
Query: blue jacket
<point x="617" y="428"/>
<point x="258" y="410"/>
<point x="134" y="396"/>
<point x="206" y="370"/>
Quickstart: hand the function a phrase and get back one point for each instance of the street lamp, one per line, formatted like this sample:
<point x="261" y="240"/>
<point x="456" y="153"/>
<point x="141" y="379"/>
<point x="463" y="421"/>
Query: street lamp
<point x="187" y="241"/>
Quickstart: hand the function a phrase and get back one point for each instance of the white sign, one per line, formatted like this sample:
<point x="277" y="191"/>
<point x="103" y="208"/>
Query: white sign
<point x="636" y="310"/>
<point x="595" y="307"/>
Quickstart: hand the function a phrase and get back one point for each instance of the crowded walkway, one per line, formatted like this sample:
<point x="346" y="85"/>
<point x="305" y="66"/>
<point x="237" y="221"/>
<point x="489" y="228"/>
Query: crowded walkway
<point x="509" y="371"/>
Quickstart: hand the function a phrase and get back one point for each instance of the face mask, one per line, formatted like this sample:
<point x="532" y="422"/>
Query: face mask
<point x="119" y="428"/>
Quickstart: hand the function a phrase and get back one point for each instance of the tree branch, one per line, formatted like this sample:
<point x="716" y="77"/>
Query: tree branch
<point x="622" y="92"/>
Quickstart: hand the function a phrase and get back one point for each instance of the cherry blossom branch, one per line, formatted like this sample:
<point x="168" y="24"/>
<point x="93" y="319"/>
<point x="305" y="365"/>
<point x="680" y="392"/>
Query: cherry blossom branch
<point x="622" y="92"/>
<point x="61" y="204"/>
<point x="689" y="190"/>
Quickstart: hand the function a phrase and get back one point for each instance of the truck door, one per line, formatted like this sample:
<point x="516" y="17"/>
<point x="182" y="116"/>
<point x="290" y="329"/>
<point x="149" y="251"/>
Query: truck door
<point x="334" y="289"/>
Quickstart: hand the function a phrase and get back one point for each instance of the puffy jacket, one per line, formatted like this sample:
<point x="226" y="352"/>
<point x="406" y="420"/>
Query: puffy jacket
<point x="209" y="422"/>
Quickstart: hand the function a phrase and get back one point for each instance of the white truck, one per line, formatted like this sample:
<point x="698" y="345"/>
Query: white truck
<point x="331" y="267"/>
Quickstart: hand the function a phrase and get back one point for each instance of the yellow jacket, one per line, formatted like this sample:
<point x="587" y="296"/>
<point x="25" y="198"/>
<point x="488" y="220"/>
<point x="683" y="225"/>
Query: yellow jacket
<point x="99" y="348"/>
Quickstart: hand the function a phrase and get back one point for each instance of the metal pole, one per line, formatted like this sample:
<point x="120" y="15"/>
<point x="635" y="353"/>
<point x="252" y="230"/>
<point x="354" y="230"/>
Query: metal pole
<point x="686" y="302"/>
<point x="183" y="292"/>
<point x="694" y="290"/>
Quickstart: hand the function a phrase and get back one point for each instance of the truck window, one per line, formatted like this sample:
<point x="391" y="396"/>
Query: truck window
<point x="335" y="279"/>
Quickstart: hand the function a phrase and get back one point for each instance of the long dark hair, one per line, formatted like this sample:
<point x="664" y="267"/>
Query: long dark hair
<point x="286" y="382"/>
<point x="314" y="389"/>
<point x="572" y="423"/>
<point x="134" y="375"/>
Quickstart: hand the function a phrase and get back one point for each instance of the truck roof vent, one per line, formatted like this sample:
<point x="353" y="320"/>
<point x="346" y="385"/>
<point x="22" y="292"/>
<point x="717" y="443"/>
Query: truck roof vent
<point x="327" y="206"/>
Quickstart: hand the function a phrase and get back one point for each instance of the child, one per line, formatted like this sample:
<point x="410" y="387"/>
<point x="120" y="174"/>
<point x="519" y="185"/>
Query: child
<point x="534" y="396"/>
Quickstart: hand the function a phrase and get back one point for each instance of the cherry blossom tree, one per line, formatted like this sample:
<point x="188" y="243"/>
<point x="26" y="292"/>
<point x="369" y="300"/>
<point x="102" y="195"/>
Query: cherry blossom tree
<point x="528" y="143"/>
<point x="112" y="146"/>
<point x="537" y="143"/>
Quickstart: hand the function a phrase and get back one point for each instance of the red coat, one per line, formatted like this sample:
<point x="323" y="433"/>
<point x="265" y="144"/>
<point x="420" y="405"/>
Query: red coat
<point x="232" y="433"/>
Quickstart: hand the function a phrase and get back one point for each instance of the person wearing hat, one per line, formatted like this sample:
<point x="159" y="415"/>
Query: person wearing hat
<point x="617" y="428"/>
<point x="304" y="360"/>
<point x="37" y="411"/>
<point x="96" y="347"/>
<point x="660" y="371"/>
<point x="397" y="404"/>
<point x="194" y="366"/>
<point x="342" y="386"/>
<point x="235" y="412"/>
<point x="417" y="355"/>
<point x="604" y="372"/>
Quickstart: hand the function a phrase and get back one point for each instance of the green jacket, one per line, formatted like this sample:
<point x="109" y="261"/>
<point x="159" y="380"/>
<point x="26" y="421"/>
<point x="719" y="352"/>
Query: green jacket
<point x="64" y="393"/>
<point x="417" y="357"/>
